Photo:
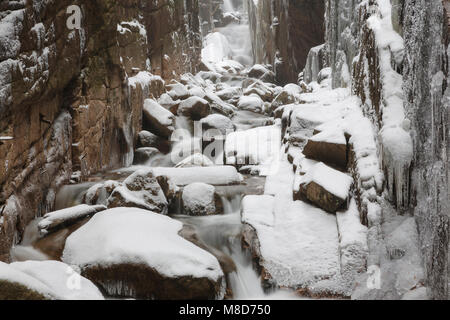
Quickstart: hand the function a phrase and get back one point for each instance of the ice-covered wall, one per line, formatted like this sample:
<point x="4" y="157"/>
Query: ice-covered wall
<point x="71" y="96"/>
<point x="427" y="100"/>
<point x="394" y="56"/>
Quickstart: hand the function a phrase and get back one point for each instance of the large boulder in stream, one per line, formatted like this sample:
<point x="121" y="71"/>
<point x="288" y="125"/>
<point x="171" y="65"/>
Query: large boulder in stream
<point x="130" y="252"/>
<point x="44" y="280"/>
<point x="325" y="187"/>
<point x="201" y="199"/>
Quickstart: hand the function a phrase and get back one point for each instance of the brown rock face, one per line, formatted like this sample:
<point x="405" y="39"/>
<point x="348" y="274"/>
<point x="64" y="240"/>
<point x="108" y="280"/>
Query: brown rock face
<point x="332" y="154"/>
<point x="143" y="282"/>
<point x="68" y="99"/>
<point x="283" y="32"/>
<point x="316" y="194"/>
<point x="16" y="291"/>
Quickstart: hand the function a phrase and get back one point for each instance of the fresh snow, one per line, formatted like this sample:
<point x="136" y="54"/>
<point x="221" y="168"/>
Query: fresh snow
<point x="131" y="235"/>
<point x="298" y="242"/>
<point x="55" y="218"/>
<point x="332" y="180"/>
<point x="64" y="281"/>
<point x="215" y="175"/>
<point x="198" y="197"/>
<point x="161" y="114"/>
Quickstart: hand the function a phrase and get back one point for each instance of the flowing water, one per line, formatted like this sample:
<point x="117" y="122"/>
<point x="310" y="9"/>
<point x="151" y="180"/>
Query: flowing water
<point x="222" y="232"/>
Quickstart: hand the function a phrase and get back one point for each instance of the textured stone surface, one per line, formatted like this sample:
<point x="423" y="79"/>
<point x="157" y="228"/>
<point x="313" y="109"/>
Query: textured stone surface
<point x="283" y="32"/>
<point x="71" y="99"/>
<point x="427" y="91"/>
<point x="422" y="186"/>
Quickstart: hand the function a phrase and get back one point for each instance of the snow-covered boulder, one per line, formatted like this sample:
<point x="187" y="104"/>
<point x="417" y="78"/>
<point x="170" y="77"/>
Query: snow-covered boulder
<point x="100" y="192"/>
<point x="196" y="91"/>
<point x="44" y="280"/>
<point x="142" y="155"/>
<point x="326" y="187"/>
<point x="216" y="175"/>
<point x="130" y="252"/>
<point x="140" y="190"/>
<point x="216" y="125"/>
<point x="328" y="146"/>
<point x="167" y="102"/>
<point x="201" y="199"/>
<point x="284" y="98"/>
<point x="218" y="105"/>
<point x="158" y="119"/>
<point x="260" y="72"/>
<point x="230" y="93"/>
<point x="17" y="285"/>
<point x="177" y="91"/>
<point x="261" y="89"/>
<point x="56" y="220"/>
<point x="194" y="108"/>
<point x="147" y="139"/>
<point x="251" y="103"/>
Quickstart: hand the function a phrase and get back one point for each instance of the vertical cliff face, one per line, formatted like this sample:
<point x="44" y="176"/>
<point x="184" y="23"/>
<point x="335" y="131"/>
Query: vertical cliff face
<point x="394" y="56"/>
<point x="427" y="98"/>
<point x="283" y="32"/>
<point x="84" y="91"/>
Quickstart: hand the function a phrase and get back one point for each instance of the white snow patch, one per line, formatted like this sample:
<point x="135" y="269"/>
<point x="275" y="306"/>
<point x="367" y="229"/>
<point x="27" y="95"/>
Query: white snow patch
<point x="131" y="235"/>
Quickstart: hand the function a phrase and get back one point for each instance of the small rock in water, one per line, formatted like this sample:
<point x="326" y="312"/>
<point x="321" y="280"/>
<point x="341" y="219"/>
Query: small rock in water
<point x="201" y="199"/>
<point x="140" y="190"/>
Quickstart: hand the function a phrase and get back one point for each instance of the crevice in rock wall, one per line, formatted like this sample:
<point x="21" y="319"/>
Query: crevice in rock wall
<point x="283" y="32"/>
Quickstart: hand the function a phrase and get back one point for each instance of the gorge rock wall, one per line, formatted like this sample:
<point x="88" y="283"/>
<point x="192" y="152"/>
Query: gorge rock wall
<point x="283" y="32"/>
<point x="427" y="99"/>
<point x="71" y="98"/>
<point x="394" y="57"/>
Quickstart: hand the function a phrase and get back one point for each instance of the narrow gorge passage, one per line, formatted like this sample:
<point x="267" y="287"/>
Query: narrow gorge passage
<point x="224" y="150"/>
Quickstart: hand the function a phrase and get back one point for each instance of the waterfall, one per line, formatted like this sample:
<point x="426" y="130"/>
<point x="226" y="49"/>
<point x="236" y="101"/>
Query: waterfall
<point x="228" y="6"/>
